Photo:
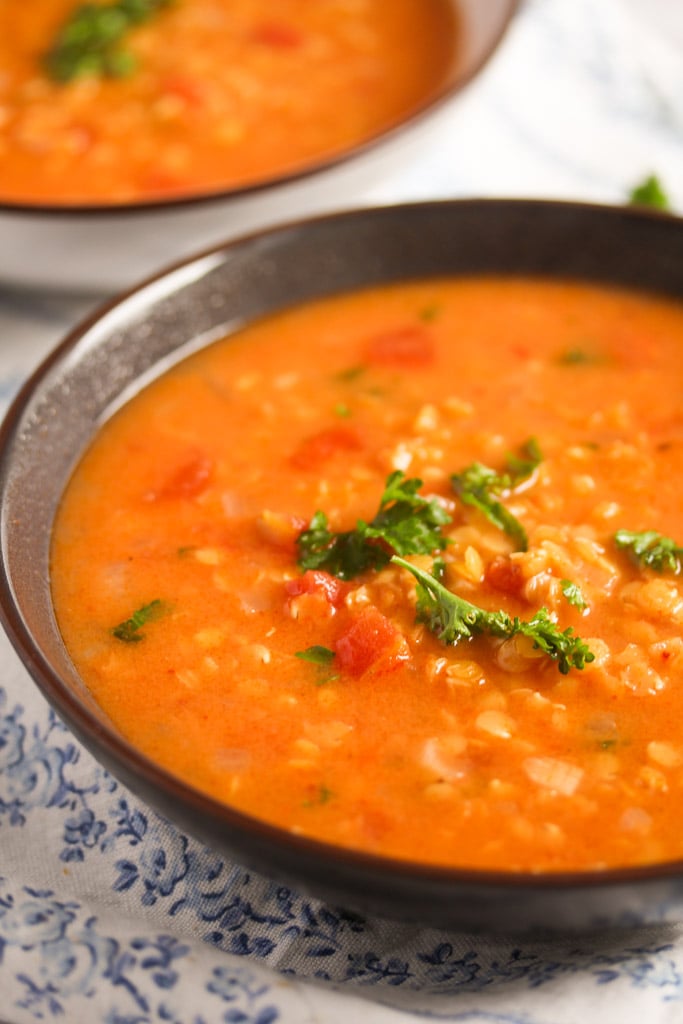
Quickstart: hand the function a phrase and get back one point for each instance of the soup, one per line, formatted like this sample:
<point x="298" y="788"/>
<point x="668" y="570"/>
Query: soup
<point x="397" y="569"/>
<point x="197" y="96"/>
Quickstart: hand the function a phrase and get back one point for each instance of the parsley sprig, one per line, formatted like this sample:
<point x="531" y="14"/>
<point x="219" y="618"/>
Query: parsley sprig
<point x="129" y="629"/>
<point x="651" y="549"/>
<point x="650" y="192"/>
<point x="480" y="486"/>
<point x="407" y="523"/>
<point x="451" y="618"/>
<point x="89" y="43"/>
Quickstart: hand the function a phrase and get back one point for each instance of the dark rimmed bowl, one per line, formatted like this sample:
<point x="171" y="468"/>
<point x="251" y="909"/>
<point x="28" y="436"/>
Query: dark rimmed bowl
<point x="102" y="248"/>
<point x="134" y="338"/>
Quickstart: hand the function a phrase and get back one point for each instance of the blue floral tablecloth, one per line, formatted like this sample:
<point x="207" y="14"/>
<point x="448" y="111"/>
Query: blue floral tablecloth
<point x="108" y="913"/>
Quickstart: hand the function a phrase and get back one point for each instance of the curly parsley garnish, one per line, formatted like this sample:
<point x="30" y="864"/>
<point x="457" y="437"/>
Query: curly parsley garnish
<point x="451" y="618"/>
<point x="129" y="629"/>
<point x="407" y="523"/>
<point x="480" y="486"/>
<point x="651" y="549"/>
<point x="89" y="43"/>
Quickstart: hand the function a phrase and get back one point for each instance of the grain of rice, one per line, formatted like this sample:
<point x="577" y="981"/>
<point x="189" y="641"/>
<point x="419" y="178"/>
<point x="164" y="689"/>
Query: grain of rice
<point x="664" y="754"/>
<point x="495" y="723"/>
<point x="653" y="779"/>
<point x="436" y="791"/>
<point x="554" y="774"/>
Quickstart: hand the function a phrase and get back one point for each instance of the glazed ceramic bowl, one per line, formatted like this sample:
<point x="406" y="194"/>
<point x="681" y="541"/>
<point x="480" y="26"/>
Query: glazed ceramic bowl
<point x="134" y="338"/>
<point x="101" y="249"/>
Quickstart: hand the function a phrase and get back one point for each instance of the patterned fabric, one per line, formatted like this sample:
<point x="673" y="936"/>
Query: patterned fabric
<point x="104" y="900"/>
<point x="107" y="912"/>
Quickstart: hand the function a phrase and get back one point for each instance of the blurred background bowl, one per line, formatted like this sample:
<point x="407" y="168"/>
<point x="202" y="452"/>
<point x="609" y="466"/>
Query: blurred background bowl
<point x="135" y="338"/>
<point x="97" y="248"/>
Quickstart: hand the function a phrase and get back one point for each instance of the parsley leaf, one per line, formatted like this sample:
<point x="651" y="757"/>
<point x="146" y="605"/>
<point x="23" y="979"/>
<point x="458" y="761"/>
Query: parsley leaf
<point x="129" y="629"/>
<point x="651" y="549"/>
<point x="345" y="555"/>
<point x="407" y="523"/>
<point x="451" y="618"/>
<point x="573" y="594"/>
<point x="569" y="650"/>
<point x="322" y="657"/>
<point x="477" y="484"/>
<point x="89" y="41"/>
<point x="650" y="193"/>
<point x="521" y="467"/>
<point x="317" y="654"/>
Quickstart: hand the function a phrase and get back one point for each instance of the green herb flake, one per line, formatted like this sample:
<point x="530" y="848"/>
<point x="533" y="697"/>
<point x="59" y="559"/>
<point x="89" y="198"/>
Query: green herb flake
<point x="479" y="485"/>
<point x="351" y="373"/>
<point x="451" y="618"/>
<point x="650" y="193"/>
<point x="323" y="795"/>
<point x="89" y="42"/>
<point x="428" y="314"/>
<point x="407" y="523"/>
<point x="322" y="657"/>
<point x="572" y="593"/>
<point x="576" y="357"/>
<point x="129" y="629"/>
<point x="651" y="549"/>
<point x="342" y="410"/>
<point x="439" y="569"/>
<point x="317" y="654"/>
<point x="521" y="467"/>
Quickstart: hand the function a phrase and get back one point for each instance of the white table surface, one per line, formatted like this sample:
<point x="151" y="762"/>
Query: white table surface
<point x="107" y="913"/>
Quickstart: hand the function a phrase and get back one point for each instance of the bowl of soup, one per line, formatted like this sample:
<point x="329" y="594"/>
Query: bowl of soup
<point x="354" y="547"/>
<point x="136" y="133"/>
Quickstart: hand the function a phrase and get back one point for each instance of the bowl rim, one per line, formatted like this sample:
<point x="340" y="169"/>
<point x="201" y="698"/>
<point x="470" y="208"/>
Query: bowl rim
<point x="435" y="100"/>
<point x="94" y="732"/>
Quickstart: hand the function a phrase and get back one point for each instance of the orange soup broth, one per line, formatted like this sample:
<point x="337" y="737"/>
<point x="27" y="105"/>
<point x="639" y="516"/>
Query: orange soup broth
<point x="225" y="93"/>
<point x="481" y="754"/>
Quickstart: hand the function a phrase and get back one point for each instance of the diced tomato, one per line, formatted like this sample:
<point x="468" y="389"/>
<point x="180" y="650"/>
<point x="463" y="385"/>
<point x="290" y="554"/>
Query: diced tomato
<point x="373" y="822"/>
<point x="372" y="642"/>
<point x="318" y="448"/>
<point x="82" y="137"/>
<point x="191" y="90"/>
<point x="187" y="481"/>
<point x="522" y="351"/>
<point x="277" y="34"/>
<point x="165" y="182"/>
<point x="403" y="346"/>
<point x="505" y="575"/>
<point x="316" y="581"/>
